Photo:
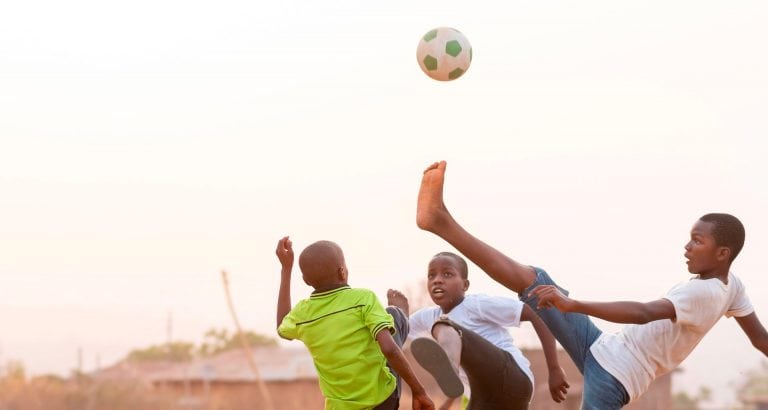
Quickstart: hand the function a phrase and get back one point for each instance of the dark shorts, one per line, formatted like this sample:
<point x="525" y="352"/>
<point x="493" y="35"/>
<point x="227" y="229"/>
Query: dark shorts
<point x="495" y="379"/>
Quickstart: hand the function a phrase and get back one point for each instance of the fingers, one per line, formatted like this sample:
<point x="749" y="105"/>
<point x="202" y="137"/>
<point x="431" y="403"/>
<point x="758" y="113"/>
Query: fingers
<point x="284" y="244"/>
<point x="546" y="294"/>
<point x="560" y="391"/>
<point x="558" y="395"/>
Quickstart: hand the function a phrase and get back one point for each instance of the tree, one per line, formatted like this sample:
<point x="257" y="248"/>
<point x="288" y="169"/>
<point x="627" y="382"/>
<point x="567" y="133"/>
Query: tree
<point x="683" y="401"/>
<point x="219" y="340"/>
<point x="214" y="341"/>
<point x="174" y="351"/>
<point x="753" y="385"/>
<point x="14" y="370"/>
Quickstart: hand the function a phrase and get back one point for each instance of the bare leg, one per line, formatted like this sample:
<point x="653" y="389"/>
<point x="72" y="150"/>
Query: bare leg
<point x="433" y="216"/>
<point x="449" y="339"/>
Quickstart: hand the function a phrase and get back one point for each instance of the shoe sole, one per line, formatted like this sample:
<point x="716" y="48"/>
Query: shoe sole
<point x="433" y="359"/>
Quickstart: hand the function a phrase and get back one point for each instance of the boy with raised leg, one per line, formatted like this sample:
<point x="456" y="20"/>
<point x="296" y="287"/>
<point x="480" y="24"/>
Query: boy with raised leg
<point x="660" y="334"/>
<point x="470" y="343"/>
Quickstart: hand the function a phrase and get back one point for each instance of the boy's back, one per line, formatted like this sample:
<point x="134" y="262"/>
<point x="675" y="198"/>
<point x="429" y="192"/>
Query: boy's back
<point x="339" y="327"/>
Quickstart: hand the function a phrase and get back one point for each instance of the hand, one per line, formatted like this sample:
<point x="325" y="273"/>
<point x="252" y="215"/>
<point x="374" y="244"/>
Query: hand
<point x="284" y="253"/>
<point x="550" y="296"/>
<point x="558" y="385"/>
<point x="422" y="402"/>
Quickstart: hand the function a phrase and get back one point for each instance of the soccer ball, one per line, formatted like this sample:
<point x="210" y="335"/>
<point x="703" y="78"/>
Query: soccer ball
<point x="444" y="54"/>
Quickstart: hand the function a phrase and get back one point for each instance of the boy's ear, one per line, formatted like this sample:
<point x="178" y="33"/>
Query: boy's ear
<point x="342" y="273"/>
<point x="723" y="253"/>
<point x="466" y="284"/>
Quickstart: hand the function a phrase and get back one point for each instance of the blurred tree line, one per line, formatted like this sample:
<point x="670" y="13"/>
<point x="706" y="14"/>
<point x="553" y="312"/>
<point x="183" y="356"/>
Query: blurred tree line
<point x="214" y="341"/>
<point x="78" y="391"/>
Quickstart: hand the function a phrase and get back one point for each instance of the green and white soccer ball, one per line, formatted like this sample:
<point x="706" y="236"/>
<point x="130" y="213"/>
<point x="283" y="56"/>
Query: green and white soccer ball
<point x="444" y="54"/>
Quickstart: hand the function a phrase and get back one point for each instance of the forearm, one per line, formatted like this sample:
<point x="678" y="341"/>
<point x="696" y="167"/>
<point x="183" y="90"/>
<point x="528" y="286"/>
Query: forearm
<point x="755" y="330"/>
<point x="617" y="312"/>
<point x="762" y="345"/>
<point x="400" y="364"/>
<point x="284" y="296"/>
<point x="397" y="360"/>
<point x="548" y="344"/>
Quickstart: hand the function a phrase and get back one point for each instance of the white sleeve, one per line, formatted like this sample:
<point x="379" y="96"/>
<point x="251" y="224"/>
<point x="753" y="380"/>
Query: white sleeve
<point x="741" y="305"/>
<point x="686" y="298"/>
<point x="503" y="311"/>
<point x="692" y="301"/>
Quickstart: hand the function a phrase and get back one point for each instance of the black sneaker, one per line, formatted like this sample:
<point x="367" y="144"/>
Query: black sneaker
<point x="433" y="359"/>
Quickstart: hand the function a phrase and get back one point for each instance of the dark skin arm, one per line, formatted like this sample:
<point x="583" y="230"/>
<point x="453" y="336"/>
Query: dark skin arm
<point x="558" y="385"/>
<point x="397" y="360"/>
<point x="284" y="254"/>
<point x="617" y="312"/>
<point x="751" y="325"/>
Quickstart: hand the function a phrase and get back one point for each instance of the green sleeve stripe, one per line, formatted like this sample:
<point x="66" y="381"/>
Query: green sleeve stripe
<point x="380" y="327"/>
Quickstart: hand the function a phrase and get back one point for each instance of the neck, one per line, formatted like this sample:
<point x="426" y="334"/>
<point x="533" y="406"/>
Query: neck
<point x="447" y="307"/>
<point x="720" y="273"/>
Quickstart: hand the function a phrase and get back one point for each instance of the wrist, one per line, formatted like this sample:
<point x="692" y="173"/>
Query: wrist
<point x="553" y="369"/>
<point x="574" y="306"/>
<point x="418" y="390"/>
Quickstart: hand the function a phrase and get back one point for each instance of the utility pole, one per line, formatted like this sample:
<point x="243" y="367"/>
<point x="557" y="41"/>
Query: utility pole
<point x="169" y="328"/>
<point x="246" y="348"/>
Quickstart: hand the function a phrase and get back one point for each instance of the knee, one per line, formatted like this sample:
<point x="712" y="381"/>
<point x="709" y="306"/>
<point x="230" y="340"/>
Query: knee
<point x="442" y="329"/>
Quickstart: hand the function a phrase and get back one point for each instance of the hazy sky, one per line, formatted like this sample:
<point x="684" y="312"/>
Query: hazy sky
<point x="146" y="145"/>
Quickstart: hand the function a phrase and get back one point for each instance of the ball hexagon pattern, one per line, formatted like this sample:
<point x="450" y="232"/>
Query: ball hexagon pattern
<point x="444" y="53"/>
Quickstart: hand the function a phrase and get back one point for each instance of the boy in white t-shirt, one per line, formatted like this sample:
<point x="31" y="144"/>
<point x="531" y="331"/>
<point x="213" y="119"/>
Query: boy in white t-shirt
<point x="473" y="345"/>
<point x="617" y="368"/>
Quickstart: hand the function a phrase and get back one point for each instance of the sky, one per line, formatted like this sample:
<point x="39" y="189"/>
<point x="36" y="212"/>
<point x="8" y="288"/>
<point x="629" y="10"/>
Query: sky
<point x="146" y="146"/>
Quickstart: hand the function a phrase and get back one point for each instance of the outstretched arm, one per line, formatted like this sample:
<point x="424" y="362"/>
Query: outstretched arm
<point x="751" y="325"/>
<point x="618" y="312"/>
<point x="397" y="360"/>
<point x="558" y="385"/>
<point x="284" y="253"/>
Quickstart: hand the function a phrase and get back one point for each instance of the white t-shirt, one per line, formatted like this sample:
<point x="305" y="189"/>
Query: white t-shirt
<point x="638" y="354"/>
<point x="488" y="316"/>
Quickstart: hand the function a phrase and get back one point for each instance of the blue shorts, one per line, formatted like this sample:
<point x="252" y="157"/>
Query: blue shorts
<point x="576" y="333"/>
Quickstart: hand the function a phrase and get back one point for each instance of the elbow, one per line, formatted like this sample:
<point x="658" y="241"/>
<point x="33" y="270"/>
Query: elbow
<point x="651" y="314"/>
<point x="644" y="316"/>
<point x="761" y="344"/>
<point x="389" y="350"/>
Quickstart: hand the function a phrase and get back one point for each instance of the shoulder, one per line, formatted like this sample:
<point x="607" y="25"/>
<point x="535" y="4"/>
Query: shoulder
<point x="693" y="286"/>
<point x="425" y="313"/>
<point x="360" y="294"/>
<point x="363" y="292"/>
<point x="300" y="306"/>
<point x="737" y="283"/>
<point x="481" y="300"/>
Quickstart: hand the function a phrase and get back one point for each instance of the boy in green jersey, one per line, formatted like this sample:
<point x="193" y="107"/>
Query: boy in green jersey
<point x="358" y="363"/>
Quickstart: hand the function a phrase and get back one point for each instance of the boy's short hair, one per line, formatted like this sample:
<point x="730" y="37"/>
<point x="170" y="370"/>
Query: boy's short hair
<point x="463" y="269"/>
<point x="320" y="260"/>
<point x="727" y="230"/>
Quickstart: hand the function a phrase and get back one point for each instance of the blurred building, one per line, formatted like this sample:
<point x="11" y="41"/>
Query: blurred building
<point x="225" y="381"/>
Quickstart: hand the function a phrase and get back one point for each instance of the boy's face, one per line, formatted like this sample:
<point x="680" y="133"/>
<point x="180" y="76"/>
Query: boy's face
<point x="444" y="282"/>
<point x="702" y="251"/>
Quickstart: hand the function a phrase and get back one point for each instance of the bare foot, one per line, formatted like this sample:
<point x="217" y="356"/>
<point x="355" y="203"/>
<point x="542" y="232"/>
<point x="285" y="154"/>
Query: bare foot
<point x="430" y="208"/>
<point x="396" y="298"/>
